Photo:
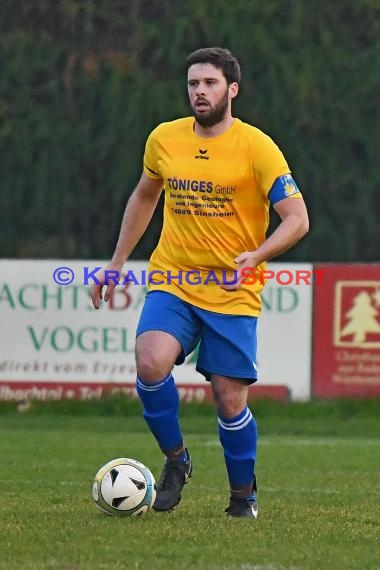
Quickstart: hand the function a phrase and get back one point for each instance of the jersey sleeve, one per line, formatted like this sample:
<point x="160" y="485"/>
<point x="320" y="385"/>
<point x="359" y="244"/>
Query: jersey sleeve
<point x="151" y="158"/>
<point x="268" y="162"/>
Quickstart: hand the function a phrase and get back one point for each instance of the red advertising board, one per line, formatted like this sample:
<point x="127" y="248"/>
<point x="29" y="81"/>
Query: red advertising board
<point x="346" y="331"/>
<point x="26" y="391"/>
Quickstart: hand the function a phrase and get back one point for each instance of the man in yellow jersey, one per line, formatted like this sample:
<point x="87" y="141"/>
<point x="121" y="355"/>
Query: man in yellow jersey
<point x="219" y="176"/>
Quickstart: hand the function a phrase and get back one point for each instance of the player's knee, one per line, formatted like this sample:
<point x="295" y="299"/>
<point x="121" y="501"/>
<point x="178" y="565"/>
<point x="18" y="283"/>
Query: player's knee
<point x="230" y="396"/>
<point x="229" y="408"/>
<point x="151" y="367"/>
<point x="229" y="403"/>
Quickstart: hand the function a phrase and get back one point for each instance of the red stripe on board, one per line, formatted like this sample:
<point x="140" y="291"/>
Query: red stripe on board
<point x="44" y="391"/>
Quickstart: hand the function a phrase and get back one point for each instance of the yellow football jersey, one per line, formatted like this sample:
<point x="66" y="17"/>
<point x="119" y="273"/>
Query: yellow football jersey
<point x="216" y="207"/>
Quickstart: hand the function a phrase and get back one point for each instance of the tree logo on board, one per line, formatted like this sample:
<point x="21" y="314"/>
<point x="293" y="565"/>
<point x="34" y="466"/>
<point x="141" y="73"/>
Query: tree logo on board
<point x="357" y="314"/>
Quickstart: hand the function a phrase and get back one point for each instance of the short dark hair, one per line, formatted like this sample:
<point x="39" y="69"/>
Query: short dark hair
<point x="221" y="59"/>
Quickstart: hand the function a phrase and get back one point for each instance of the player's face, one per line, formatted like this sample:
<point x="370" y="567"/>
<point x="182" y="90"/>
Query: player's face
<point x="209" y="94"/>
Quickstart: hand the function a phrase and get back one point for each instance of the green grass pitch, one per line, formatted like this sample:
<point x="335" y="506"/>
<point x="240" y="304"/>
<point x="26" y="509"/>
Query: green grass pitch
<point x="319" y="491"/>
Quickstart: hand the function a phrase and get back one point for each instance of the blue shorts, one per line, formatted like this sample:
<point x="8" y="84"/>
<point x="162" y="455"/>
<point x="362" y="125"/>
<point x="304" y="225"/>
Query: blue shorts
<point x="227" y="343"/>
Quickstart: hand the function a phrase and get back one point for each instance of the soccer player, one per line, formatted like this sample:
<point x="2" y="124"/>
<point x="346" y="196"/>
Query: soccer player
<point x="219" y="176"/>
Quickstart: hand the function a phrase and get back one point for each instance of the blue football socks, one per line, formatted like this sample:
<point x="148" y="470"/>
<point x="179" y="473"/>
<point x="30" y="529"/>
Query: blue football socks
<point x="238" y="437"/>
<point x="161" y="404"/>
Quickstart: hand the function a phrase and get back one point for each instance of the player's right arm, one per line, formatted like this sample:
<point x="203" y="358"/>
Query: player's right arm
<point x="137" y="215"/>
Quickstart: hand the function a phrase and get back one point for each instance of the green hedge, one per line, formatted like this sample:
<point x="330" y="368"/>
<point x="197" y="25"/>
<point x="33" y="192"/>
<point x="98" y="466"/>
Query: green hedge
<point x="83" y="83"/>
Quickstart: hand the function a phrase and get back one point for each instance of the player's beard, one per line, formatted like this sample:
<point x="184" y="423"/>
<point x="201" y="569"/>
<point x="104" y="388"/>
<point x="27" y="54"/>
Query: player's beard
<point x="215" y="114"/>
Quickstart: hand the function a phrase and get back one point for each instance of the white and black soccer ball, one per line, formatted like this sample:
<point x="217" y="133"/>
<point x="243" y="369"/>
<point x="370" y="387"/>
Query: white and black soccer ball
<point x="124" y="487"/>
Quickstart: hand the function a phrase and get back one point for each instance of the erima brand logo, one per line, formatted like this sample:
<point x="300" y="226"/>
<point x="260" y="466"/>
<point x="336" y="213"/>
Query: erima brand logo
<point x="202" y="154"/>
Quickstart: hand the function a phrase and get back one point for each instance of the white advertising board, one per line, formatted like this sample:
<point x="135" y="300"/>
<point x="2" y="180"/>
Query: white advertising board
<point x="285" y="329"/>
<point x="51" y="334"/>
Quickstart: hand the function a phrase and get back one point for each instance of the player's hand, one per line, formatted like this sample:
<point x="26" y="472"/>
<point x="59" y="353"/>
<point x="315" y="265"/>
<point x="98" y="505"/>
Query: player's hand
<point x="109" y="277"/>
<point x="247" y="261"/>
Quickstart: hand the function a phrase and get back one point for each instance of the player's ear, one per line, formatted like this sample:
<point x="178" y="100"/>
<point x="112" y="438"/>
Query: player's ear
<point x="233" y="89"/>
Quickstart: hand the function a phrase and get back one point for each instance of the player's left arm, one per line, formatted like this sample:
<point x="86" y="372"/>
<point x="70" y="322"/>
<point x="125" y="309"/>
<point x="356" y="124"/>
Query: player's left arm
<point x="287" y="201"/>
<point x="294" y="225"/>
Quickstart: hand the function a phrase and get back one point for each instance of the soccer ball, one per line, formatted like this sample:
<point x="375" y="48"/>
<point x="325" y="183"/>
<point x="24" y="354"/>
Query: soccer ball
<point x="124" y="487"/>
